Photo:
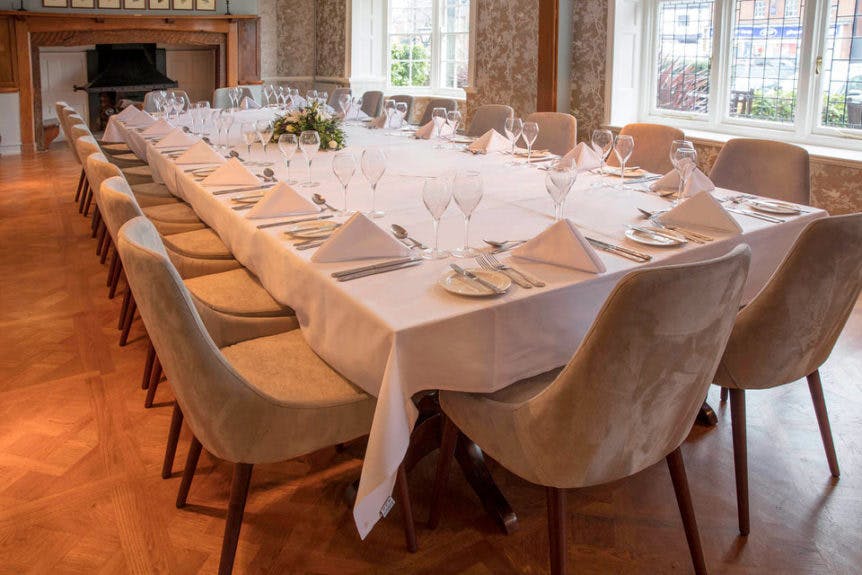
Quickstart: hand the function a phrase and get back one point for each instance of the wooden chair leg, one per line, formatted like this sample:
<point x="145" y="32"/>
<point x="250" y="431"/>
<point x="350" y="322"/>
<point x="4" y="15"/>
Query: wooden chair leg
<point x="148" y="366"/>
<point x="173" y="439"/>
<point x="189" y="472"/>
<point x="676" y="466"/>
<point x="97" y="219"/>
<point x="406" y="509"/>
<point x="556" y="499"/>
<point x="236" y="508"/>
<point x="80" y="188"/>
<point x="83" y="199"/>
<point x="115" y="280"/>
<point x="444" y="464"/>
<point x="112" y="267"/>
<point x="723" y="394"/>
<point x="155" y="377"/>
<point x="88" y="201"/>
<point x="101" y="236"/>
<point x="816" y="389"/>
<point x="124" y="309"/>
<point x="740" y="457"/>
<point x="109" y="243"/>
<point x="130" y="316"/>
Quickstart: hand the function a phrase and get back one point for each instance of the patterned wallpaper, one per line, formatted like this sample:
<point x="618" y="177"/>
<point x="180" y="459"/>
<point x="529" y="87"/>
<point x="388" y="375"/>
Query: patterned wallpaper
<point x="268" y="29"/>
<point x="295" y="37"/>
<point x="589" y="40"/>
<point x="331" y="38"/>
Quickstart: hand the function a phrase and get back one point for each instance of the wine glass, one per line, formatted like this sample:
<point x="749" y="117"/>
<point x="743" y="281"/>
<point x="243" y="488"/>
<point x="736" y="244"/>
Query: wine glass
<point x="513" y="129"/>
<point x="438" y="116"/>
<point x="401" y="108"/>
<point x="602" y="142"/>
<point x="676" y="145"/>
<point x="324" y="97"/>
<point x="344" y="166"/>
<point x="685" y="160"/>
<point x="453" y="119"/>
<point x="344" y="105"/>
<point x="623" y="148"/>
<point x="309" y="143"/>
<point x="389" y="112"/>
<point x="249" y="136"/>
<point x="467" y="191"/>
<point x="311" y="96"/>
<point x="559" y="181"/>
<point x="373" y="167"/>
<point x="264" y="132"/>
<point x="530" y="132"/>
<point x="436" y="195"/>
<point x="287" y="145"/>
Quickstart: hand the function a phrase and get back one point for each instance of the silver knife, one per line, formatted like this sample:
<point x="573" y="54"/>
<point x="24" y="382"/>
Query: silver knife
<point x="410" y="264"/>
<point x="299" y="221"/>
<point x="241" y="189"/>
<point x="656" y="234"/>
<point x="620" y="251"/>
<point x="471" y="276"/>
<point x="370" y="267"/>
<point x="763" y="217"/>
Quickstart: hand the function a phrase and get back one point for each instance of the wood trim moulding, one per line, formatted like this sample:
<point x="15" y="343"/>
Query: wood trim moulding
<point x="548" y="45"/>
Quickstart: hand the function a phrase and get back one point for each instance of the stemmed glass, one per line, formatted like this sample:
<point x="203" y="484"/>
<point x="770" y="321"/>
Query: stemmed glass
<point x="309" y="143"/>
<point x="530" y="132"/>
<point x="623" y="148"/>
<point x="453" y="119"/>
<point x="249" y="136"/>
<point x="344" y="166"/>
<point x="344" y="104"/>
<point x="685" y="161"/>
<point x="401" y="108"/>
<point x="389" y="113"/>
<point x="227" y="121"/>
<point x="513" y="129"/>
<point x="603" y="143"/>
<point x="559" y="181"/>
<point x="324" y="98"/>
<point x="264" y="132"/>
<point x="436" y="196"/>
<point x="467" y="193"/>
<point x="287" y="145"/>
<point x="438" y="116"/>
<point x="373" y="167"/>
<point x="311" y="96"/>
<point x="674" y="147"/>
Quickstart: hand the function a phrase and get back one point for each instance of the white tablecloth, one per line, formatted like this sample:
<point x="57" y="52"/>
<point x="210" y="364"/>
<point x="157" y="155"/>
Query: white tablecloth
<point x="398" y="334"/>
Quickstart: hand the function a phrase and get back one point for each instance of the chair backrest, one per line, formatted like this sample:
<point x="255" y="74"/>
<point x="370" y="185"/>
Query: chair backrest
<point x="76" y="130"/>
<point x="558" y="132"/>
<point x="652" y="147"/>
<point x="788" y="330"/>
<point x="85" y="145"/>
<point x="764" y="168"/>
<point x="407" y="100"/>
<point x="448" y="103"/>
<point x="490" y="116"/>
<point x="335" y="95"/>
<point x="98" y="170"/>
<point x="149" y="98"/>
<point x="372" y="103"/>
<point x="118" y="204"/>
<point x="222" y="100"/>
<point x="632" y="390"/>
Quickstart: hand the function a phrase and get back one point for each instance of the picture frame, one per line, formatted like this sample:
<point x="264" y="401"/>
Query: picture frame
<point x="159" y="4"/>
<point x="83" y="3"/>
<point x="135" y="4"/>
<point x="55" y="3"/>
<point x="184" y="4"/>
<point x="109" y="4"/>
<point x="205" y="5"/>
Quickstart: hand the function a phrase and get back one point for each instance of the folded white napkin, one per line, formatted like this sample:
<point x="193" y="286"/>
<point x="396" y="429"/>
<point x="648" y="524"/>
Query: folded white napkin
<point x="176" y="138"/>
<point x="200" y="153"/>
<point x="379" y="122"/>
<point x="159" y="128"/>
<point x="129" y="114"/>
<point x="356" y="113"/>
<point x="359" y="238"/>
<point x="249" y="104"/>
<point x="231" y="173"/>
<point x="704" y="211"/>
<point x="562" y="245"/>
<point x="281" y="200"/>
<point x="490" y="141"/>
<point x="584" y="157"/>
<point x="142" y="120"/>
<point x="697" y="182"/>
<point x="425" y="132"/>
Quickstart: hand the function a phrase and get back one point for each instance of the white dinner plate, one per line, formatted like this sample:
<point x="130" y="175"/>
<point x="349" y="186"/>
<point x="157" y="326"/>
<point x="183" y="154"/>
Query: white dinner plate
<point x="311" y="230"/>
<point x="773" y="207"/>
<point x="459" y="285"/>
<point x="657" y="240"/>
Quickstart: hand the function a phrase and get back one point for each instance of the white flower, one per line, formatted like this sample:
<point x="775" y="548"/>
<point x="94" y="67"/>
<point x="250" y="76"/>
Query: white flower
<point x="333" y="144"/>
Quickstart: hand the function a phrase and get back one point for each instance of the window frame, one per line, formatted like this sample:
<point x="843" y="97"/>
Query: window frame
<point x="805" y="129"/>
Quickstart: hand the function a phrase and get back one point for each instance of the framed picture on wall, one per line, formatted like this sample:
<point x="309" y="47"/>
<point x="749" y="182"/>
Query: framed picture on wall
<point x="160" y="4"/>
<point x="135" y="4"/>
<point x="55" y="3"/>
<point x="184" y="4"/>
<point x="109" y="4"/>
<point x="206" y="5"/>
<point x="83" y="3"/>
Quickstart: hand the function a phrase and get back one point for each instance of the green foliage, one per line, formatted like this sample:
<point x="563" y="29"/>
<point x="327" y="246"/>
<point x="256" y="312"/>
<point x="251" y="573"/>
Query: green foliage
<point x="683" y="85"/>
<point x="311" y="117"/>
<point x="400" y="72"/>
<point x="773" y="104"/>
<point x="835" y="110"/>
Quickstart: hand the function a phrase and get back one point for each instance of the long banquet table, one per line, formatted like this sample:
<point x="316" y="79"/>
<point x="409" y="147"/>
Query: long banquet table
<point x="399" y="333"/>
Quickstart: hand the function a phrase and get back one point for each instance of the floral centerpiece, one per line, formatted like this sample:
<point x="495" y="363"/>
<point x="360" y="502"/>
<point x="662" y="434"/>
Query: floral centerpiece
<point x="311" y="117"/>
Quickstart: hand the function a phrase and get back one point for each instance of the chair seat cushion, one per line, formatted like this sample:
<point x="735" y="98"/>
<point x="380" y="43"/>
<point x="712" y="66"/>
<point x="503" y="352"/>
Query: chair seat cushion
<point x="204" y="244"/>
<point x="143" y="171"/>
<point x="235" y="292"/>
<point x="152" y="189"/>
<point x="172" y="213"/>
<point x="118" y="148"/>
<point x="285" y="368"/>
<point x="525" y="389"/>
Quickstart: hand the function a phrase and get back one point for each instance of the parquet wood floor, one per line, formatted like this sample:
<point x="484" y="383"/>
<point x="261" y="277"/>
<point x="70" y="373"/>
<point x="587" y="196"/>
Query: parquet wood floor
<point x="80" y="489"/>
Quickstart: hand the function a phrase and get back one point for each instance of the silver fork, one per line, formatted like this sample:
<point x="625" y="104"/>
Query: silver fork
<point x="482" y="260"/>
<point x="492" y="259"/>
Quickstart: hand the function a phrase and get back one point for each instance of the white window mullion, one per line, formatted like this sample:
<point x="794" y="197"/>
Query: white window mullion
<point x="808" y="91"/>
<point x="721" y="73"/>
<point x="436" y="46"/>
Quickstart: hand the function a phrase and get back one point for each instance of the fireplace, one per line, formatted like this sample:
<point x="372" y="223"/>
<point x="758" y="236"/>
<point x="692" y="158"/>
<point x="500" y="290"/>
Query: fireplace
<point x="122" y="71"/>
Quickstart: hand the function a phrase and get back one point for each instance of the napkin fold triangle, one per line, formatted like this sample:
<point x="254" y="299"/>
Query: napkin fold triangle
<point x="425" y="132"/>
<point x="584" y="157"/>
<point x="248" y="103"/>
<point x="281" y="200"/>
<point x="176" y="138"/>
<point x="159" y="128"/>
<point x="359" y="238"/>
<point x="697" y="182"/>
<point x="142" y="120"/>
<point x="231" y="173"/>
<point x="200" y="153"/>
<point x="129" y="114"/>
<point x="490" y="141"/>
<point x="562" y="245"/>
<point x="704" y="211"/>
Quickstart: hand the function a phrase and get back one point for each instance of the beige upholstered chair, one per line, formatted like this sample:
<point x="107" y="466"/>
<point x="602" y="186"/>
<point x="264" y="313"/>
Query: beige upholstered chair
<point x="652" y="147"/>
<point x="372" y="103"/>
<point x="787" y="332"/>
<point x="764" y="168"/>
<point x="407" y="100"/>
<point x="626" y="400"/>
<point x="490" y="116"/>
<point x="448" y="103"/>
<point x="335" y="95"/>
<point x="558" y="132"/>
<point x="222" y="100"/>
<point x="260" y="401"/>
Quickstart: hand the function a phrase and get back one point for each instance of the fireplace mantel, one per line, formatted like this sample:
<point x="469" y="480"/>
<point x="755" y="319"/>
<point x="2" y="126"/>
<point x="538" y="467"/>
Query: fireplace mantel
<point x="234" y="37"/>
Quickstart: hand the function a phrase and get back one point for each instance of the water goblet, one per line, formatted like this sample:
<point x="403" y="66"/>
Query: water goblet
<point x="264" y="130"/>
<point x="249" y="136"/>
<point x="676" y="145"/>
<point x="623" y="148"/>
<point x="401" y="108"/>
<point x="559" y="181"/>
<point x="529" y="133"/>
<point x="373" y="167"/>
<point x="436" y="195"/>
<point x="288" y="144"/>
<point x="685" y="160"/>
<point x="344" y="166"/>
<point x="467" y="191"/>
<point x="309" y="144"/>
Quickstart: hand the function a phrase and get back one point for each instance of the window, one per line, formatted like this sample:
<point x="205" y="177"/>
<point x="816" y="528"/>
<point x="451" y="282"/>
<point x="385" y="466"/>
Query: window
<point x="789" y="69"/>
<point x="429" y="44"/>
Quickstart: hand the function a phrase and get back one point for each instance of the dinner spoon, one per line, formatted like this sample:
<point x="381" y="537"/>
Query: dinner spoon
<point x="321" y="201"/>
<point x="401" y="233"/>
